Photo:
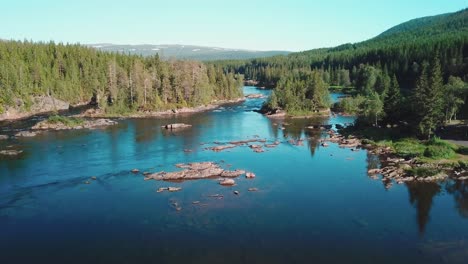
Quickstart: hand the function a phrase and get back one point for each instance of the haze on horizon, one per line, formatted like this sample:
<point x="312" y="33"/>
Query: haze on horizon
<point x="293" y="25"/>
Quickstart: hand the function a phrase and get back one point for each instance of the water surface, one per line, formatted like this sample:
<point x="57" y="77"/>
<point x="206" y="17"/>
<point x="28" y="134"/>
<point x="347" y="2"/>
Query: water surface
<point x="314" y="204"/>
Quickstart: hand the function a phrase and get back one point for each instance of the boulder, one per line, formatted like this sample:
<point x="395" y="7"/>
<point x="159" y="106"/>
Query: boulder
<point x="227" y="182"/>
<point x="25" y="134"/>
<point x="374" y="171"/>
<point x="3" y="137"/>
<point x="250" y="175"/>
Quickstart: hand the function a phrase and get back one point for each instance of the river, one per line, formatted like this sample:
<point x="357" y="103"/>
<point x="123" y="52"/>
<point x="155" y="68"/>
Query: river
<point x="313" y="205"/>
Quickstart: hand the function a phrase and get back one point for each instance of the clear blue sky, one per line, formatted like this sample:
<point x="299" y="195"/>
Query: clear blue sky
<point x="262" y="25"/>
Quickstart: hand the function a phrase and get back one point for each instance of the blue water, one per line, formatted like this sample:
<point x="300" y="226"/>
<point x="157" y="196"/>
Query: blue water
<point x="314" y="204"/>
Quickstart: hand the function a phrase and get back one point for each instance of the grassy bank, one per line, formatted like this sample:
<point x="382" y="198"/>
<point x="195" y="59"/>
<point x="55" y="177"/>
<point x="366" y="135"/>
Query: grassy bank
<point x="434" y="151"/>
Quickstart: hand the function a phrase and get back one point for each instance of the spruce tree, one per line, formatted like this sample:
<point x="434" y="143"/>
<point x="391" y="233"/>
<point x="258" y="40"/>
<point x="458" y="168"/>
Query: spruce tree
<point x="392" y="101"/>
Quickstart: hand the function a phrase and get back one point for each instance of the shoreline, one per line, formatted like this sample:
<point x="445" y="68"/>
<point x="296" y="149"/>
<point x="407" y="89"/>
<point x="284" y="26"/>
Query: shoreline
<point x="395" y="168"/>
<point x="96" y="113"/>
<point x="280" y="114"/>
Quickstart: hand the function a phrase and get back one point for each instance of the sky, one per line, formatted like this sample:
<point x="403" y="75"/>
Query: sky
<point x="292" y="25"/>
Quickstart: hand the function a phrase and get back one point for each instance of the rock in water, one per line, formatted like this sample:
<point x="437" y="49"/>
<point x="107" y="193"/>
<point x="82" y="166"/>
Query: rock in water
<point x="227" y="182"/>
<point x="10" y="152"/>
<point x="3" y="137"/>
<point x="25" y="134"/>
<point x="176" y="126"/>
<point x="135" y="170"/>
<point x="174" y="189"/>
<point x="236" y="192"/>
<point x="194" y="171"/>
<point x="252" y="189"/>
<point x="250" y="175"/>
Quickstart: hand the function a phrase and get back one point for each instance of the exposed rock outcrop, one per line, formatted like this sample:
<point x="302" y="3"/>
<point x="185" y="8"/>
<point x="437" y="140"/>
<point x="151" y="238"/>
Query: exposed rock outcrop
<point x="26" y="134"/>
<point x="40" y="104"/>
<point x="194" y="171"/>
<point x="86" y="124"/>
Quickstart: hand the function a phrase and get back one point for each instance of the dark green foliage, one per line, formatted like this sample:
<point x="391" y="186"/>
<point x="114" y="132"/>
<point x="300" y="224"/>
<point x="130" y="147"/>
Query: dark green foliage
<point x="300" y="92"/>
<point x="455" y="95"/>
<point x="392" y="101"/>
<point x="68" y="121"/>
<point x="423" y="172"/>
<point x="399" y="52"/>
<point x="428" y="98"/>
<point x="117" y="82"/>
<point x="439" y="152"/>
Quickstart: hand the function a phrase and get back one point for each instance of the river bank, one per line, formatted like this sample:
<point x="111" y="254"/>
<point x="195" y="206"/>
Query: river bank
<point x="99" y="113"/>
<point x="407" y="159"/>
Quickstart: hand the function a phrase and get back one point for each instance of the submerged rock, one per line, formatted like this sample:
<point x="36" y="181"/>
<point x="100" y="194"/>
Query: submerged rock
<point x="174" y="189"/>
<point x="221" y="148"/>
<point x="253" y="96"/>
<point x="252" y="189"/>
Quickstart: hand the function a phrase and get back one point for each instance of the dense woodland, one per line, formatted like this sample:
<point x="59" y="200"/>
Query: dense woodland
<point x="118" y="83"/>
<point x="426" y="57"/>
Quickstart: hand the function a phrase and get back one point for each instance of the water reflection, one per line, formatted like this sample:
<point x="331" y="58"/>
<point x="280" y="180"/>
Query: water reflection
<point x="459" y="190"/>
<point x="421" y="196"/>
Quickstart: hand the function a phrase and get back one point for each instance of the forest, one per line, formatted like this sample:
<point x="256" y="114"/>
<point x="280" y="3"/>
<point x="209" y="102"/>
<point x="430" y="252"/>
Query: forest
<point x="413" y="73"/>
<point x="118" y="83"/>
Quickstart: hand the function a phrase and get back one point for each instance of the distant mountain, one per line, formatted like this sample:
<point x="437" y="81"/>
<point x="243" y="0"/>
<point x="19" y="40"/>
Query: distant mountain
<point x="187" y="51"/>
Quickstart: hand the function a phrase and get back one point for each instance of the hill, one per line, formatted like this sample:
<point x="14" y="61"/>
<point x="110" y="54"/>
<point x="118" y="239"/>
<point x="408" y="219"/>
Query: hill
<point x="191" y="52"/>
<point x="400" y="50"/>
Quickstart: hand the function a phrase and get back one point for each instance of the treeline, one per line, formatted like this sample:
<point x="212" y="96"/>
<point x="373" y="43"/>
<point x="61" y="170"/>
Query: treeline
<point x="116" y="82"/>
